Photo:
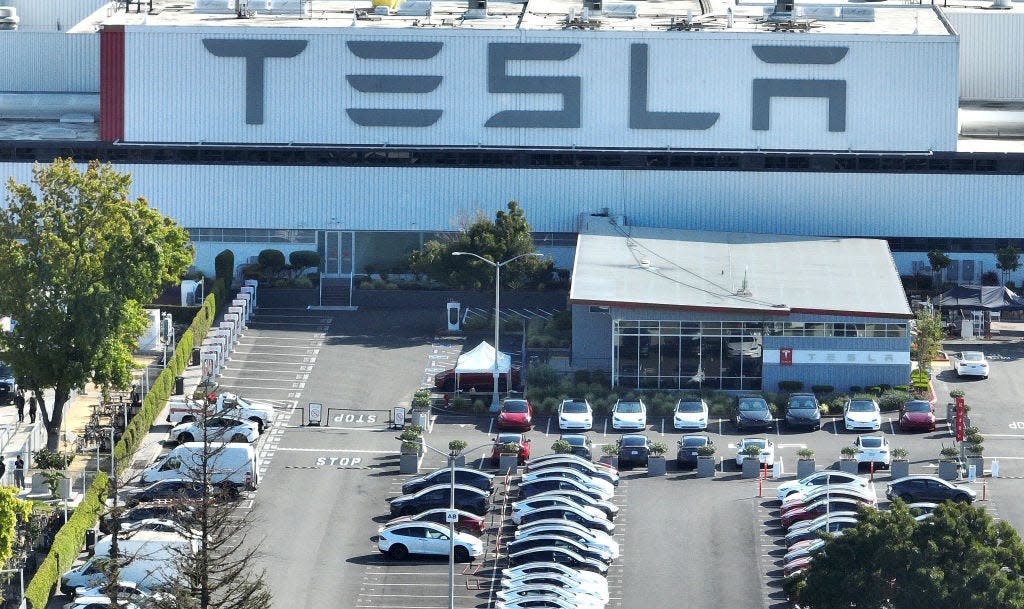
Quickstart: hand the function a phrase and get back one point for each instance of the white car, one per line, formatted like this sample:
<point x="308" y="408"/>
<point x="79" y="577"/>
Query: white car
<point x="126" y="590"/>
<point x="550" y="602"/>
<point x="872" y="449"/>
<point x="600" y="484"/>
<point x="820" y="480"/>
<point x="218" y="429"/>
<point x="862" y="414"/>
<point x="597" y="588"/>
<point x="589" y="537"/>
<point x="580" y="600"/>
<point x="97" y="602"/>
<point x="970" y="363"/>
<point x="691" y="414"/>
<point x="629" y="414"/>
<point x="838" y="492"/>
<point x="766" y="456"/>
<point x="537" y="568"/>
<point x="521" y="508"/>
<point x="575" y="414"/>
<point x="428" y="538"/>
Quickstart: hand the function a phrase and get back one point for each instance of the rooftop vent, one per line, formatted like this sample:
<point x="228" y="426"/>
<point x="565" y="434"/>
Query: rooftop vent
<point x="595" y="7"/>
<point x="477" y="10"/>
<point x="9" y="18"/>
<point x="784" y="8"/>
<point x="416" y="8"/>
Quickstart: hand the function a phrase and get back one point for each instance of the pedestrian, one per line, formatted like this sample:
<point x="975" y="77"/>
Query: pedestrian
<point x="19" y="472"/>
<point x="32" y="409"/>
<point x="19" y="403"/>
<point x="3" y="470"/>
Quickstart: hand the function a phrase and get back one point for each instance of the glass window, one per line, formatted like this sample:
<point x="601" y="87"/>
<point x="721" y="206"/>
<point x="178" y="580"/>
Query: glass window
<point x="689" y="329"/>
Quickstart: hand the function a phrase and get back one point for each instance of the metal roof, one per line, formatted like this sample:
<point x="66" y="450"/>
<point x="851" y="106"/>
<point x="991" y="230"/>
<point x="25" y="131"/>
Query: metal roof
<point x="732" y="272"/>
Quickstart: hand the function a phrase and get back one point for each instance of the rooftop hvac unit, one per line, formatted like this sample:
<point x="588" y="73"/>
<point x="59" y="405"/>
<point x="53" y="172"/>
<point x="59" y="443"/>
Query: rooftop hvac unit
<point x="9" y="18"/>
<point x="594" y="7"/>
<point x="415" y="8"/>
<point x="477" y="10"/>
<point x="783" y="7"/>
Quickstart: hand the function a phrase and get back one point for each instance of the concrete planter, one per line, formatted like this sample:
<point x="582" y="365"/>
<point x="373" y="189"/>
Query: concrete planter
<point x="460" y="460"/>
<point x="979" y="465"/>
<point x="409" y="463"/>
<point x="39" y="484"/>
<point x="706" y="467"/>
<point x="948" y="470"/>
<point x="421" y="418"/>
<point x="656" y="466"/>
<point x="612" y="460"/>
<point x="508" y="463"/>
<point x="804" y="468"/>
<point x="64" y="488"/>
<point x="849" y="466"/>
<point x="899" y="469"/>
<point x="751" y="468"/>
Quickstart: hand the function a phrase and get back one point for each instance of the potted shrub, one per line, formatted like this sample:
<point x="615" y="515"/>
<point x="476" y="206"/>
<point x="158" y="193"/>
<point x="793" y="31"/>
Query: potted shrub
<point x="706" y="461"/>
<point x="656" y="459"/>
<point x="751" y="461"/>
<point x="900" y="466"/>
<point x="611" y="454"/>
<point x="420" y="408"/>
<point x="805" y="464"/>
<point x="51" y="477"/>
<point x="412" y="450"/>
<point x="561" y="447"/>
<point x="973" y="449"/>
<point x="508" y="458"/>
<point x="456" y="447"/>
<point x="949" y="463"/>
<point x="847" y="461"/>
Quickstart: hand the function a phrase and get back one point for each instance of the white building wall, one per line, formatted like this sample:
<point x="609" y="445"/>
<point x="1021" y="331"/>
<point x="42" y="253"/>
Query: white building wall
<point x="51" y="62"/>
<point x="52" y="15"/>
<point x="200" y="97"/>
<point x="991" y="53"/>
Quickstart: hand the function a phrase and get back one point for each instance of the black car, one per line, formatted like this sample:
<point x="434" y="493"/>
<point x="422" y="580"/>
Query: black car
<point x="594" y="471"/>
<point x="558" y="541"/>
<point x="542" y="485"/>
<point x="8" y="386"/>
<point x="160" y="509"/>
<point x="928" y="488"/>
<point x="634" y="449"/>
<point x="581" y="445"/>
<point x="569" y="513"/>
<point x="686" y="453"/>
<point x="803" y="411"/>
<point x="752" y="412"/>
<point x="175" y="488"/>
<point x="467" y="498"/>
<point x="463" y="475"/>
<point x="562" y="556"/>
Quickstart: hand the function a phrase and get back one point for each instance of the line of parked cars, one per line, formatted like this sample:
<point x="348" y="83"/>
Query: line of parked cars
<point x="562" y="544"/>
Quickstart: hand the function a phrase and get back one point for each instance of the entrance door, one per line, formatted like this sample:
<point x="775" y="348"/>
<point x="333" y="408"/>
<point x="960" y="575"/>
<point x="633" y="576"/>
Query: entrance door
<point x="336" y="249"/>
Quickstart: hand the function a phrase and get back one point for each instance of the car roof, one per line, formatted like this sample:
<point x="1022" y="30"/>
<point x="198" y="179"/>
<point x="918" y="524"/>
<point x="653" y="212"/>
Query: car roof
<point x="447" y="486"/>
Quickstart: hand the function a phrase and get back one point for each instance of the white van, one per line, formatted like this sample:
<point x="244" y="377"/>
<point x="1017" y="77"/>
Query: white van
<point x="230" y="462"/>
<point x="152" y="554"/>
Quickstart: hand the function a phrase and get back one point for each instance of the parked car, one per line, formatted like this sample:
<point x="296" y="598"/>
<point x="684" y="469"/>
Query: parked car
<point x="690" y="414"/>
<point x="851" y="491"/>
<point x="803" y="410"/>
<point x="426" y="538"/>
<point x="161" y="509"/>
<point x="835" y="525"/>
<point x="802" y="549"/>
<point x="686" y="453"/>
<point x="634" y="450"/>
<point x="930" y="489"/>
<point x="468" y="498"/>
<point x="537" y="502"/>
<point x="585" y="478"/>
<point x="589" y="536"/>
<point x="217" y="429"/>
<point x="970" y="363"/>
<point x="819" y="479"/>
<point x="173" y="488"/>
<point x="596" y="470"/>
<point x="583" y="548"/>
<point x="814" y="509"/>
<point x="872" y="449"/>
<point x="96" y="602"/>
<point x="526" y="528"/>
<point x="558" y="555"/>
<point x="480" y="381"/>
<point x="609" y="509"/>
<point x="529" y="595"/>
<point x="575" y="414"/>
<point x="546" y="601"/>
<point x="529" y="488"/>
<point x="546" y="567"/>
<point x="862" y="414"/>
<point x="571" y="514"/>
<point x="752" y="412"/>
<point x="463" y="475"/>
<point x="8" y="385"/>
<point x="514" y="438"/>
<point x="629" y="415"/>
<point x="917" y="415"/>
<point x="581" y="445"/>
<point x="595" y="588"/>
<point x="516" y="414"/>
<point x="467" y="523"/>
<point x="766" y="456"/>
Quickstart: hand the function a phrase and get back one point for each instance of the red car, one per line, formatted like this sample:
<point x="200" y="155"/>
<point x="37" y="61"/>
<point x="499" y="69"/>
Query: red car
<point x="812" y="511"/>
<point x="505" y="438"/>
<point x="468" y="523"/>
<point x="515" y="414"/>
<point x="917" y="414"/>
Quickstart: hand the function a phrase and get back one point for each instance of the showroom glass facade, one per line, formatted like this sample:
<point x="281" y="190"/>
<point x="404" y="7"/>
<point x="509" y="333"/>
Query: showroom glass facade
<point x="660" y="354"/>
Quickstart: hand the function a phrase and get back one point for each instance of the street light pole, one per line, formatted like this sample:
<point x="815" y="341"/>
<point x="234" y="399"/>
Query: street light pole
<point x="497" y="311"/>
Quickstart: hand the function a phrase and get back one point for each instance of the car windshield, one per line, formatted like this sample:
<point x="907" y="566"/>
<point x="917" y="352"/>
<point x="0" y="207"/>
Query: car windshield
<point x="753" y="405"/>
<point x="5" y="371"/>
<point x="806" y="403"/>
<point x="515" y="406"/>
<point x="627" y="407"/>
<point x="508" y="437"/>
<point x="758" y="442"/>
<point x="634" y="441"/>
<point x="917" y="406"/>
<point x="574" y="407"/>
<point x="690" y="407"/>
<point x="862" y="406"/>
<point x="973" y="356"/>
<point x="871" y="442"/>
<point x="694" y="442"/>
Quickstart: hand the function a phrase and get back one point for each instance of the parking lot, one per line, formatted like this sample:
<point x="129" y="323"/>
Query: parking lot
<point x="326" y="488"/>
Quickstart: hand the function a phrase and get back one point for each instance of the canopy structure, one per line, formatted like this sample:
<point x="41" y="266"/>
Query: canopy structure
<point x="981" y="298"/>
<point x="481" y="359"/>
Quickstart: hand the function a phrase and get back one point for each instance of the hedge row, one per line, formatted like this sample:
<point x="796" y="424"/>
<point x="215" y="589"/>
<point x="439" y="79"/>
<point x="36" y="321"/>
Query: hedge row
<point x="67" y="543"/>
<point x="71" y="537"/>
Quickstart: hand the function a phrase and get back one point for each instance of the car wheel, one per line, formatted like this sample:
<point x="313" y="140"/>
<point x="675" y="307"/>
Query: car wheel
<point x="962" y="499"/>
<point x="907" y="498"/>
<point x="185" y="437"/>
<point x="188" y="419"/>
<point x="461" y="554"/>
<point x="397" y="552"/>
<point x="259" y="424"/>
<point x="239" y="438"/>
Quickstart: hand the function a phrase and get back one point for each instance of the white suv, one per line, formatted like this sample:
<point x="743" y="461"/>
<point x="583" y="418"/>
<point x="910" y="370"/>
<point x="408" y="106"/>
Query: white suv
<point x="629" y="414"/>
<point x="575" y="414"/>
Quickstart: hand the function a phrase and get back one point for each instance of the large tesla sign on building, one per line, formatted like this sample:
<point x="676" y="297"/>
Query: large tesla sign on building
<point x="570" y="89"/>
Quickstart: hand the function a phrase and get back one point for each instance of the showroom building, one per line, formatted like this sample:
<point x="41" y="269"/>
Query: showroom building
<point x="680" y="309"/>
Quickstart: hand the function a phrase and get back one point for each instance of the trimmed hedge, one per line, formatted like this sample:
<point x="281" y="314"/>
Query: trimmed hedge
<point x="67" y="543"/>
<point x="71" y="537"/>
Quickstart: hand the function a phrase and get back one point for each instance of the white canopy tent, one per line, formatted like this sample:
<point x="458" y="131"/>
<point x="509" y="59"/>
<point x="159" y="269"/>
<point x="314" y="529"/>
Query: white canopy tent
<point x="481" y="360"/>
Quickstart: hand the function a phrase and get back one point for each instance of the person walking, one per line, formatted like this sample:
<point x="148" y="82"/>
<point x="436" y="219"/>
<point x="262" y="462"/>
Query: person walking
<point x="19" y="472"/>
<point x="3" y="470"/>
<point x="19" y="404"/>
<point x="32" y="409"/>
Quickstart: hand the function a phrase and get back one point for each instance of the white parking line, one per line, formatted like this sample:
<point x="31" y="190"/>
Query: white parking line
<point x="336" y="450"/>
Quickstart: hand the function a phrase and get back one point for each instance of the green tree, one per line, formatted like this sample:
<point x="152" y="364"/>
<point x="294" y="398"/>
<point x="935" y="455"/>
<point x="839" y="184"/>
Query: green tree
<point x="927" y="338"/>
<point x="12" y="511"/>
<point x="939" y="262"/>
<point x="1007" y="261"/>
<point x="959" y="557"/>
<point x="504" y="238"/>
<point x="80" y="257"/>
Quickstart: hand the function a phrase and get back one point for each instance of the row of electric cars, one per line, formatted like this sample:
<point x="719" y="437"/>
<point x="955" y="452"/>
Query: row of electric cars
<point x="563" y="544"/>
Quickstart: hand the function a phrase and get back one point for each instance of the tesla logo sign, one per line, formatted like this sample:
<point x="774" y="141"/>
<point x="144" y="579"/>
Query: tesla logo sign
<point x="785" y="356"/>
<point x="506" y="59"/>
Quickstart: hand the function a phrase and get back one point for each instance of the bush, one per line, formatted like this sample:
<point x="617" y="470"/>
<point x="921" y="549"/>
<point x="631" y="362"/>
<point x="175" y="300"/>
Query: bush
<point x="549" y="405"/>
<point x="561" y="447"/>
<point x="224" y="266"/>
<point x="990" y="278"/>
<point x="790" y="386"/>
<point x="892" y="400"/>
<point x="45" y="459"/>
<point x="271" y="259"/>
<point x="836" y="405"/>
<point x="855" y="389"/>
<point x="304" y="259"/>
<point x="823" y="389"/>
<point x="541" y="374"/>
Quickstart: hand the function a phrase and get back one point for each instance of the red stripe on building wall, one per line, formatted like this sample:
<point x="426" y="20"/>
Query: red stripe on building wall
<point x="112" y="83"/>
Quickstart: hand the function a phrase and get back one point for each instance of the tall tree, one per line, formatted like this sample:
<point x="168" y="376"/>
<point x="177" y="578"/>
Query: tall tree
<point x="1007" y="261"/>
<point x="939" y="262"/>
<point x="928" y="334"/>
<point x="959" y="557"/>
<point x="80" y="257"/>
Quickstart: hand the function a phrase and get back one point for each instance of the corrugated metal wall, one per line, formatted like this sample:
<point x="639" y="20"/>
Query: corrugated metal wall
<point x="991" y="54"/>
<point x="199" y="97"/>
<point x="52" y="15"/>
<point x="50" y="62"/>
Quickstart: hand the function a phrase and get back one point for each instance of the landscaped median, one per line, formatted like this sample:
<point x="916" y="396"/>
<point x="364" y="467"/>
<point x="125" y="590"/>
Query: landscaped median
<point x="70" y="539"/>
